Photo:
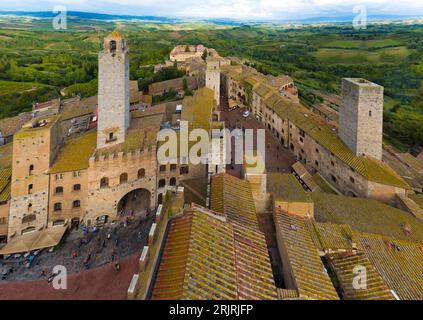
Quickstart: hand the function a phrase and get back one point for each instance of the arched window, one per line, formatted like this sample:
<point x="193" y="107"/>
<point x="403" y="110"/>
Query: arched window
<point x="162" y="183"/>
<point x="172" y="182"/>
<point x="76" y="187"/>
<point x="112" y="45"/>
<point x="104" y="182"/>
<point x="30" y="187"/>
<point x="76" y="204"/>
<point x="123" y="178"/>
<point x="58" y="206"/>
<point x="31" y="169"/>
<point x="141" y="173"/>
<point x="28" y="230"/>
<point x="59" y="190"/>
<point x="29" y="207"/>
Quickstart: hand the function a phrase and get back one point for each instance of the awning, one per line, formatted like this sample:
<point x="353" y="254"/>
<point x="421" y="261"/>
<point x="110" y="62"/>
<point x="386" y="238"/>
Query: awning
<point x="36" y="240"/>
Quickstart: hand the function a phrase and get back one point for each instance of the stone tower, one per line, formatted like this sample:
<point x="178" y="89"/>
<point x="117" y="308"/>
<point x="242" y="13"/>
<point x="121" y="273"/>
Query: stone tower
<point x="361" y="117"/>
<point x="35" y="147"/>
<point x="113" y="91"/>
<point x="213" y="75"/>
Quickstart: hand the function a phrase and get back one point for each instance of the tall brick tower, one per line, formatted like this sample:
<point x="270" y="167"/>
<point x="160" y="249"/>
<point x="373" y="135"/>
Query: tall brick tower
<point x="113" y="91"/>
<point x="361" y="117"/>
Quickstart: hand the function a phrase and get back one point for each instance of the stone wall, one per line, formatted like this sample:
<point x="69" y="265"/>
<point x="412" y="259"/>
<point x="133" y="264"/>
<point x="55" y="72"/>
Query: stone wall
<point x="361" y="117"/>
<point x="68" y="181"/>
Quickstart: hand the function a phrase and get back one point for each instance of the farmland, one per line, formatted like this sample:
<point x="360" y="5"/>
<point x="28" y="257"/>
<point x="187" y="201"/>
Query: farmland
<point x="37" y="62"/>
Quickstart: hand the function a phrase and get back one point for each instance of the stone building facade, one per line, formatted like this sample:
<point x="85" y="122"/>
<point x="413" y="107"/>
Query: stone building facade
<point x="96" y="176"/>
<point x="35" y="147"/>
<point x="316" y="144"/>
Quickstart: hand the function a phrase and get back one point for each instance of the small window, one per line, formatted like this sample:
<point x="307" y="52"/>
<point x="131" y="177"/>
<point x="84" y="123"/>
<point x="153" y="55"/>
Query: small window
<point x="30" y="188"/>
<point x="76" y="204"/>
<point x="29" y="218"/>
<point x="162" y="183"/>
<point x="173" y="167"/>
<point x="30" y="207"/>
<point x="104" y="182"/>
<point x="184" y="170"/>
<point x="162" y="168"/>
<point x="31" y="169"/>
<point x="59" y="176"/>
<point x="317" y="150"/>
<point x="352" y="180"/>
<point x="141" y="173"/>
<point x="76" y="187"/>
<point x="333" y="178"/>
<point x="332" y="163"/>
<point x="123" y="178"/>
<point x="59" y="190"/>
<point x="317" y="163"/>
<point x="370" y="113"/>
<point x="58" y="206"/>
<point x="76" y="174"/>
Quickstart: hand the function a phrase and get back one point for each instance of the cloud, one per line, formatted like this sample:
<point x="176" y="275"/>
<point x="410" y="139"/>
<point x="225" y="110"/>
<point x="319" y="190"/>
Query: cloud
<point x="238" y="9"/>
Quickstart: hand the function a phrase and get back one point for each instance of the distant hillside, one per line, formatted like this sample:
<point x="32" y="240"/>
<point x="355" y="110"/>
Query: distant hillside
<point x="218" y="21"/>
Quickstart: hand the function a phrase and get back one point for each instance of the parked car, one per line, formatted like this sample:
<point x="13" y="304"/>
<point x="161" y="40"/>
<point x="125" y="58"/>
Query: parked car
<point x="245" y="113"/>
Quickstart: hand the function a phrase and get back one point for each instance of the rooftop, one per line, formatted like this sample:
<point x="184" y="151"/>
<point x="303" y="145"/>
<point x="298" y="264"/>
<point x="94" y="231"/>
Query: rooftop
<point x="399" y="263"/>
<point x="36" y="125"/>
<point x="367" y="215"/>
<point x="343" y="265"/>
<point x="310" y="276"/>
<point x="197" y="110"/>
<point x="209" y="258"/>
<point x="74" y="108"/>
<point x="284" y="186"/>
<point x="136" y="139"/>
<point x="75" y="154"/>
<point x="233" y="197"/>
<point x="5" y="179"/>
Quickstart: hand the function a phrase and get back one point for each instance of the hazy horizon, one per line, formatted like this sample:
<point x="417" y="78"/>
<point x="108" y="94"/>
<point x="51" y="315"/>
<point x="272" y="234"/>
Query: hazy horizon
<point x="264" y="10"/>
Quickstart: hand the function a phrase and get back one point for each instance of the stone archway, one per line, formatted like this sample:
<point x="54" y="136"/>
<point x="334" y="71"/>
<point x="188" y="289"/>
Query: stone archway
<point x="137" y="202"/>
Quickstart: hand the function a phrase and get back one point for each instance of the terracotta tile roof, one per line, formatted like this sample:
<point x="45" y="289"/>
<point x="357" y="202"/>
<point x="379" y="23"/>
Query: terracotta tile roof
<point x="310" y="276"/>
<point x="75" y="154"/>
<point x="330" y="236"/>
<point x="78" y="108"/>
<point x="399" y="263"/>
<point x="197" y="110"/>
<point x="367" y="215"/>
<point x="233" y="197"/>
<point x="417" y="198"/>
<point x="284" y="186"/>
<point x="136" y="139"/>
<point x="343" y="265"/>
<point x="5" y="183"/>
<point x="9" y="126"/>
<point x="206" y="257"/>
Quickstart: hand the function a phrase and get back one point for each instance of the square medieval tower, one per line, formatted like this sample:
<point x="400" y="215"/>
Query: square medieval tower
<point x="361" y="117"/>
<point x="113" y="91"/>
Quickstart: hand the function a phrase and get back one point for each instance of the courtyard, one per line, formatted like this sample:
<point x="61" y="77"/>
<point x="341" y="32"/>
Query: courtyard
<point x="81" y="252"/>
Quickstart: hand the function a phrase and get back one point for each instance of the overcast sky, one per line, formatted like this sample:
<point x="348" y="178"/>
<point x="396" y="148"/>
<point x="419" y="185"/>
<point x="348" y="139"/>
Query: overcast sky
<point x="237" y="9"/>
